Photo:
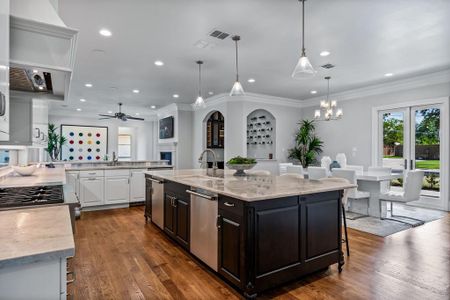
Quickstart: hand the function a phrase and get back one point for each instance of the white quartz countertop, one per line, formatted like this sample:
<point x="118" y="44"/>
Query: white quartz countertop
<point x="252" y="188"/>
<point x="42" y="176"/>
<point x="90" y="168"/>
<point x="29" y="235"/>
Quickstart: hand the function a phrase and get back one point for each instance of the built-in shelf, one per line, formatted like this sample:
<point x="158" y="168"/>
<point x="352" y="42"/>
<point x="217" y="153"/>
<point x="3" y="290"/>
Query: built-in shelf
<point x="261" y="134"/>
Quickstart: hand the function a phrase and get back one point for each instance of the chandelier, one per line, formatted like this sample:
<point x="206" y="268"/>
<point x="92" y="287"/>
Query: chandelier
<point x="328" y="108"/>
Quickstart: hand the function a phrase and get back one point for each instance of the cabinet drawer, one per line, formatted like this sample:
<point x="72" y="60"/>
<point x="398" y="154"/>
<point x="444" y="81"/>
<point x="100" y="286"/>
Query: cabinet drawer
<point x="231" y="205"/>
<point x="117" y="172"/>
<point x="91" y="173"/>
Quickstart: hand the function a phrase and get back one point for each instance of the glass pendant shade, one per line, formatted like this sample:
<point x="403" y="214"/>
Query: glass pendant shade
<point x="199" y="102"/>
<point x="237" y="89"/>
<point x="303" y="69"/>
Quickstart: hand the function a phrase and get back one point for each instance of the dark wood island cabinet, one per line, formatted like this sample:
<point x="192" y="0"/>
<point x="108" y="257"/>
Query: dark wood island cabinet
<point x="264" y="243"/>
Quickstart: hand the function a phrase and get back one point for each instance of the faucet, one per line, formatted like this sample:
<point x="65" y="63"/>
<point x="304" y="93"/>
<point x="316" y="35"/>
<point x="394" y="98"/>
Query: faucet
<point x="115" y="159"/>
<point x="200" y="160"/>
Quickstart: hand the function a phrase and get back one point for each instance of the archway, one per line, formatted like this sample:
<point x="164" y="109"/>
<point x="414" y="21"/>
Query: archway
<point x="214" y="136"/>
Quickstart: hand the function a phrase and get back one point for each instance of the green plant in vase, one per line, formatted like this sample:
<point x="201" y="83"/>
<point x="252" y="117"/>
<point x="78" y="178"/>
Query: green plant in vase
<point x="55" y="142"/>
<point x="307" y="144"/>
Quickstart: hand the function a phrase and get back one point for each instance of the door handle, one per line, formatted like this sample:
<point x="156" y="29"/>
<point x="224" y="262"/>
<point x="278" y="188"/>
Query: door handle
<point x="155" y="181"/>
<point x="201" y="195"/>
<point x="218" y="221"/>
<point x="405" y="164"/>
<point x="229" y="204"/>
<point x="411" y="165"/>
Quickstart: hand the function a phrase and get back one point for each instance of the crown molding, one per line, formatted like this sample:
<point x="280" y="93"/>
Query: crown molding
<point x="249" y="97"/>
<point x="385" y="88"/>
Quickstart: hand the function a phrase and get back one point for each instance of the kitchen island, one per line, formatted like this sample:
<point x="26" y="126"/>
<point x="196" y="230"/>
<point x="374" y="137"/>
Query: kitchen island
<point x="259" y="231"/>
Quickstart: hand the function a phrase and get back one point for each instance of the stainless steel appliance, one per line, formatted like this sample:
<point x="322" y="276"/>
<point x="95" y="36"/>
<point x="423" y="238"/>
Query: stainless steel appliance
<point x="157" y="202"/>
<point x="204" y="211"/>
<point x="35" y="195"/>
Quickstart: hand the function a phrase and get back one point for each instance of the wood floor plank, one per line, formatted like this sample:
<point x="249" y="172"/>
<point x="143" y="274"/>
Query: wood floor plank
<point x="118" y="256"/>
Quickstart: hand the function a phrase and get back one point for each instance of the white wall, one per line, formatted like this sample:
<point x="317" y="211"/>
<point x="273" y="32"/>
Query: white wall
<point x="235" y="111"/>
<point x="142" y="133"/>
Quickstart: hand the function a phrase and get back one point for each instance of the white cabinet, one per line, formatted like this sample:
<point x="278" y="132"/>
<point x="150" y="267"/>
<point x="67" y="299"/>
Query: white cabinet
<point x="92" y="191"/>
<point x="40" y="123"/>
<point x="4" y="70"/>
<point x="117" y="189"/>
<point x="137" y="185"/>
<point x="73" y="180"/>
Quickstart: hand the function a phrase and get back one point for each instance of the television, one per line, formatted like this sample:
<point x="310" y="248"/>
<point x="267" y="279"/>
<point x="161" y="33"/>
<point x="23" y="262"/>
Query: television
<point x="166" y="128"/>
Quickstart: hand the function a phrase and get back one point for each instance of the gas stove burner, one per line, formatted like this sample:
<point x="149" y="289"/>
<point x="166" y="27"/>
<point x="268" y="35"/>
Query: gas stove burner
<point x="16" y="197"/>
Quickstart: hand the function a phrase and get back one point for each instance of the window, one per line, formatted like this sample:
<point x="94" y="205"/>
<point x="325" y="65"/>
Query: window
<point x="124" y="147"/>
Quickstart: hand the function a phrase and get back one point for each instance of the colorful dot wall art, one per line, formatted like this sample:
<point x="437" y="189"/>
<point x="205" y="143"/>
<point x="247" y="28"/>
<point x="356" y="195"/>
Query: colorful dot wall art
<point x="83" y="138"/>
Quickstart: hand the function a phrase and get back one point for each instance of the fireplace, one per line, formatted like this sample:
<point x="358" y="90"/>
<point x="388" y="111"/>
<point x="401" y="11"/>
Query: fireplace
<point x="166" y="155"/>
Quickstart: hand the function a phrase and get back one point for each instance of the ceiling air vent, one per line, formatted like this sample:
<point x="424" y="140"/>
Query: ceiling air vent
<point x="328" y="66"/>
<point x="219" y="34"/>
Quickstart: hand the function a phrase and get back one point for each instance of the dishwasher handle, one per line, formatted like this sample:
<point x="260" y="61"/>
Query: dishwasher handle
<point x="155" y="180"/>
<point x="201" y="195"/>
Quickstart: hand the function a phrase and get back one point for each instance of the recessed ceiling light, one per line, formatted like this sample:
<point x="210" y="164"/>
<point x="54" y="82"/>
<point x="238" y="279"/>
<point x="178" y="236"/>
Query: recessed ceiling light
<point x="35" y="71"/>
<point x="325" y="53"/>
<point x="41" y="87"/>
<point x="152" y="107"/>
<point x="109" y="111"/>
<point x="159" y="63"/>
<point x="175" y="95"/>
<point x="88" y="85"/>
<point x="389" y="74"/>
<point x="105" y="32"/>
<point x="313" y="92"/>
<point x="211" y="93"/>
<point x="78" y="109"/>
<point x="251" y="80"/>
<point x="83" y="100"/>
<point x="137" y="114"/>
<point x="136" y="91"/>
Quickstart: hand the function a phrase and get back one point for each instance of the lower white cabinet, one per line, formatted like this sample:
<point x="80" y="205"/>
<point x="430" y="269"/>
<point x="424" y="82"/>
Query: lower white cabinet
<point x="73" y="180"/>
<point x="137" y="185"/>
<point x="92" y="191"/>
<point x="117" y="189"/>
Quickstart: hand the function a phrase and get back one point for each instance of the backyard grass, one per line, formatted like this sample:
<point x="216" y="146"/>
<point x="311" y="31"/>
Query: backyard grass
<point x="423" y="164"/>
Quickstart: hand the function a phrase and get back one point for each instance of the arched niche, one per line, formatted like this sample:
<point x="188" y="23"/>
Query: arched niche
<point x="261" y="134"/>
<point x="214" y="134"/>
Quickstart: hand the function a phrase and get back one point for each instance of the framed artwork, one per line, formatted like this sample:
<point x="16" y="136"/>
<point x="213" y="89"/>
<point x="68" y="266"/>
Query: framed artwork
<point x="84" y="143"/>
<point x="166" y="128"/>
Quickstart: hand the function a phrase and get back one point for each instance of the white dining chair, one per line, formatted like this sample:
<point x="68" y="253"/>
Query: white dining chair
<point x="341" y="158"/>
<point x="353" y="193"/>
<point x="359" y="169"/>
<point x="258" y="172"/>
<point x="412" y="185"/>
<point x="282" y="167"/>
<point x="315" y="173"/>
<point x="295" y="170"/>
<point x="385" y="185"/>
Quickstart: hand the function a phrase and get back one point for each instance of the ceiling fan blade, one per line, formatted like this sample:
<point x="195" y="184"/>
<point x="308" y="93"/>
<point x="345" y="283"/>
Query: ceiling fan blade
<point x="104" y="118"/>
<point x="107" y="116"/>
<point x="134" y="118"/>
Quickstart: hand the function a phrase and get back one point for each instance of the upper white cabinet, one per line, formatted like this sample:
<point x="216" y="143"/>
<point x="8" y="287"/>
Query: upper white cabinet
<point x="4" y="70"/>
<point x="137" y="185"/>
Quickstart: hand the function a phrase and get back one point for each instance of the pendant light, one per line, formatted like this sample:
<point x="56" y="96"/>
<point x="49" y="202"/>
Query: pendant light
<point x="199" y="102"/>
<point x="237" y="89"/>
<point x="328" y="107"/>
<point x="303" y="69"/>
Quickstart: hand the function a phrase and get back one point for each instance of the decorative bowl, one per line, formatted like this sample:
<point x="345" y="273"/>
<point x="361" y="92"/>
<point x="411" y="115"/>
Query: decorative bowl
<point x="24" y="170"/>
<point x="240" y="168"/>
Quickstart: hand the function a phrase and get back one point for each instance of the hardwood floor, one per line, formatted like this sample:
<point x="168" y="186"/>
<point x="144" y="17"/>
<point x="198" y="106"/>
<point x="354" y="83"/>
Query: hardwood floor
<point x="118" y="256"/>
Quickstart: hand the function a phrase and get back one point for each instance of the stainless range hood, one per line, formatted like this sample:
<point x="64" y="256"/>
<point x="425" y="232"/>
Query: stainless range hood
<point x="42" y="51"/>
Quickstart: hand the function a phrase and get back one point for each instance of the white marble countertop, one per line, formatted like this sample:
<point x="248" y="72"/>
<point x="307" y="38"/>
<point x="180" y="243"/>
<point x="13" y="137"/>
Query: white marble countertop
<point x="42" y="176"/>
<point x="29" y="235"/>
<point x="251" y="188"/>
<point x="90" y="168"/>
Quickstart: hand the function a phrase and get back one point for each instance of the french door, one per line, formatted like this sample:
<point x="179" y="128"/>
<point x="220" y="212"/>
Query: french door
<point x="412" y="138"/>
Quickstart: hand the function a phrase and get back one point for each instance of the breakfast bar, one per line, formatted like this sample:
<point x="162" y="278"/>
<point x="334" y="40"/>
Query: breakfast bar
<point x="268" y="230"/>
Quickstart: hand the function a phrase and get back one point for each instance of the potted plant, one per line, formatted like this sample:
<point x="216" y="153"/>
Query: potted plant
<point x="307" y="144"/>
<point x="55" y="142"/>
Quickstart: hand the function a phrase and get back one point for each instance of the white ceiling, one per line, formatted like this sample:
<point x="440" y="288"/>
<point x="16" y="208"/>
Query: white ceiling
<point x="366" y="39"/>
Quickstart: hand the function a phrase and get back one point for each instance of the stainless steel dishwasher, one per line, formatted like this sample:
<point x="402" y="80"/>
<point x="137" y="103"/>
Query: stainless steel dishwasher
<point x="157" y="202"/>
<point x="204" y="235"/>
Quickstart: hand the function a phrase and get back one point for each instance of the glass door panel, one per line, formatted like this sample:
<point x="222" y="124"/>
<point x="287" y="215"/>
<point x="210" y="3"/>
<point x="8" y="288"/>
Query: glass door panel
<point x="394" y="143"/>
<point x="426" y="147"/>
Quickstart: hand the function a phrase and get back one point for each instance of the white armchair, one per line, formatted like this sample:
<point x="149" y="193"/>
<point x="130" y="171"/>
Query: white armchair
<point x="283" y="167"/>
<point x="315" y="173"/>
<point x="412" y="185"/>
<point x="294" y="170"/>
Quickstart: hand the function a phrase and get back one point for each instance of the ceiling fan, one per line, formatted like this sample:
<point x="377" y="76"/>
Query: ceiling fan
<point x="119" y="115"/>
